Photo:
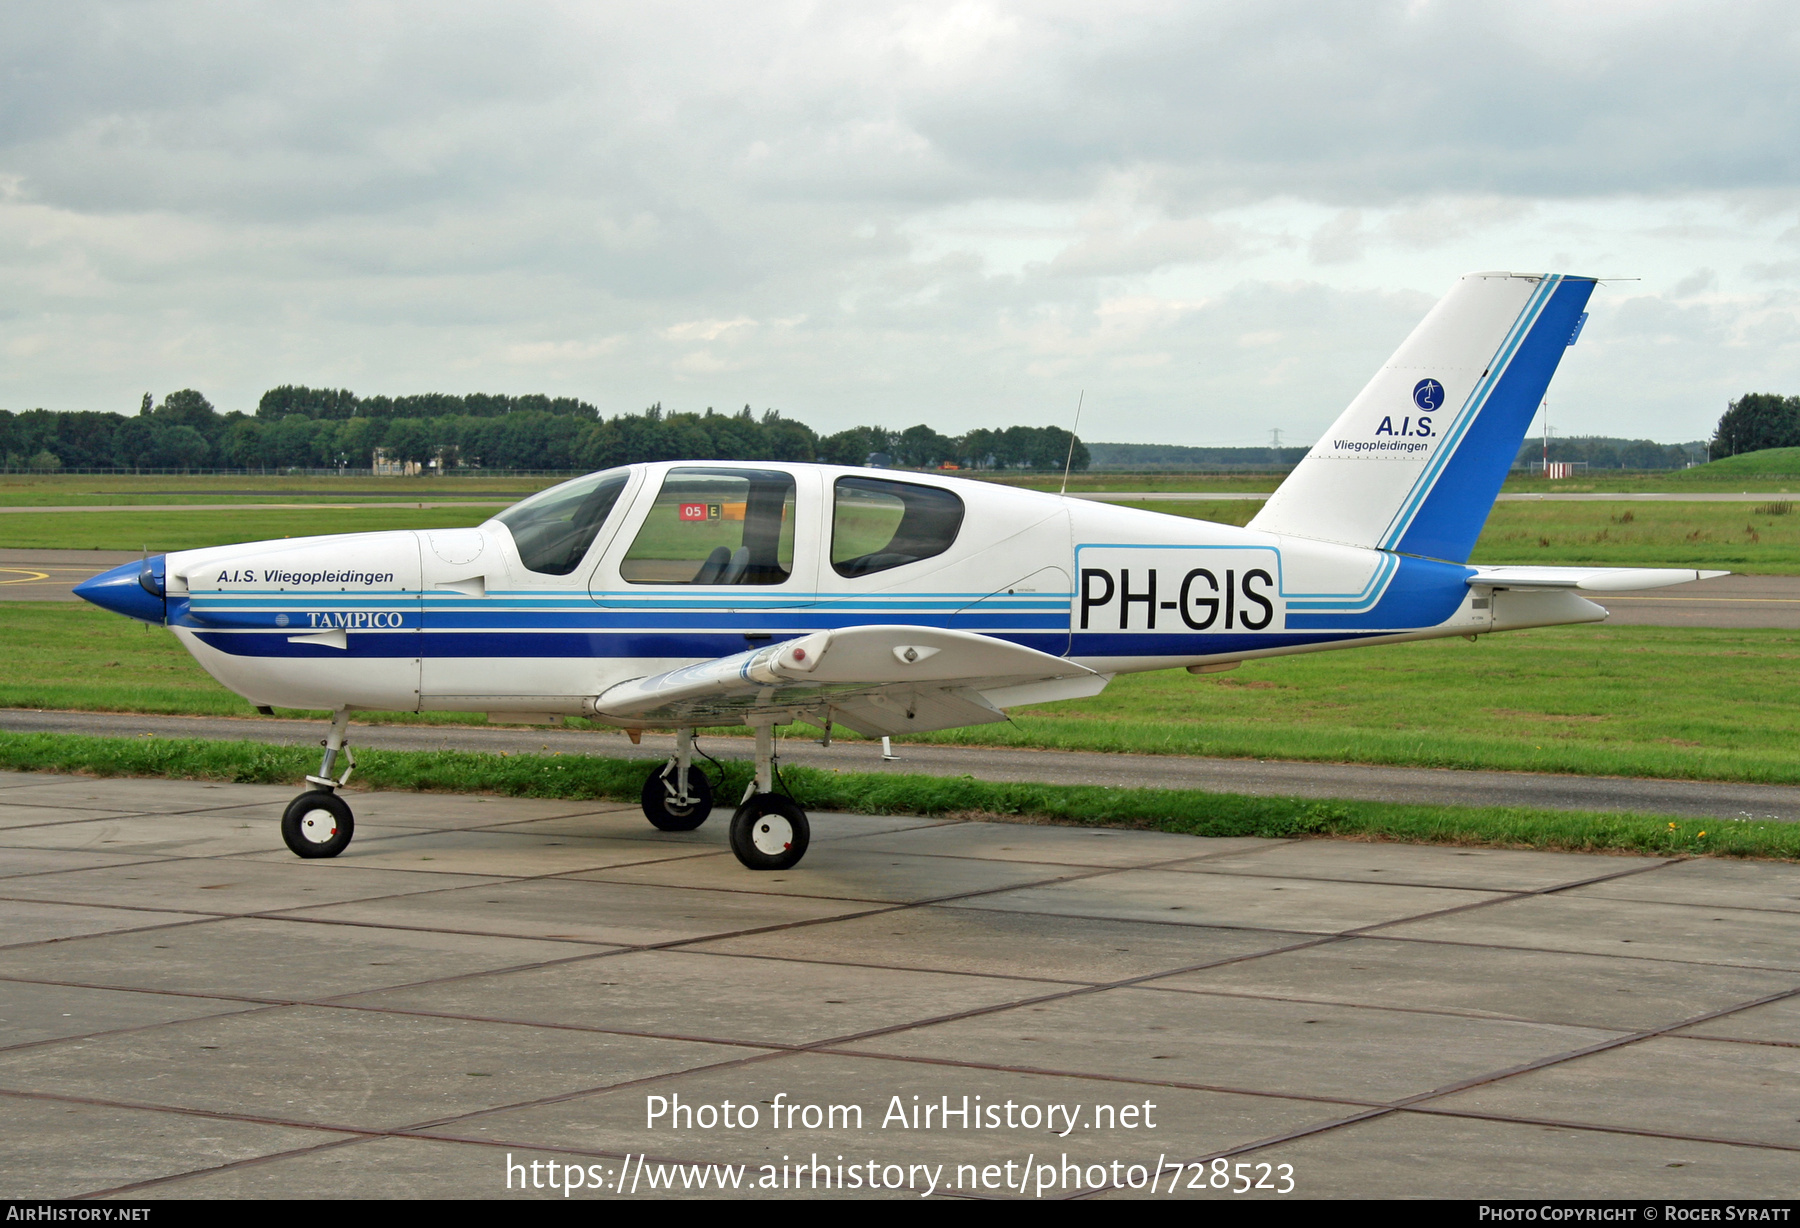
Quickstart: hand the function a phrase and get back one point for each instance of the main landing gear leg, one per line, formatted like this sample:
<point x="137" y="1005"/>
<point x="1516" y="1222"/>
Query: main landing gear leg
<point x="318" y="823"/>
<point x="769" y="830"/>
<point x="679" y="797"/>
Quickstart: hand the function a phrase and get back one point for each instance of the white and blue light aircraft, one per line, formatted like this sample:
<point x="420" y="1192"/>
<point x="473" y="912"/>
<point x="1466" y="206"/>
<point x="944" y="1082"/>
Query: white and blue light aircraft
<point x="706" y="593"/>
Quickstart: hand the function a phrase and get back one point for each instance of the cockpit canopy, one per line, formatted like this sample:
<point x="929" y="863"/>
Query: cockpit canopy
<point x="719" y="525"/>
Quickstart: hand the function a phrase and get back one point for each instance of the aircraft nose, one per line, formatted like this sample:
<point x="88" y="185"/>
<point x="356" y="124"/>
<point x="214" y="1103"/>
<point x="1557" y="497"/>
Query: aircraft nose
<point x="132" y="589"/>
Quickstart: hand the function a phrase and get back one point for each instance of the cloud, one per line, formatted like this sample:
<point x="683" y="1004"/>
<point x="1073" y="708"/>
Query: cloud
<point x="706" y="330"/>
<point x="1339" y="241"/>
<point x="542" y="353"/>
<point x="1782" y="270"/>
<point x="941" y="209"/>
<point x="1115" y="246"/>
<point x="1697" y="282"/>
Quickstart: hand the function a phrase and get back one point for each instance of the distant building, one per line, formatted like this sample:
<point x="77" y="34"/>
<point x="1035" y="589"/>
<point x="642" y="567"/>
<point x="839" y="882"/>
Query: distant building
<point x="382" y="467"/>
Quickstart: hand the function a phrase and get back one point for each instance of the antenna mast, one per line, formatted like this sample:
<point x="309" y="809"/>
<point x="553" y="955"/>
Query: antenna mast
<point x="1069" y="462"/>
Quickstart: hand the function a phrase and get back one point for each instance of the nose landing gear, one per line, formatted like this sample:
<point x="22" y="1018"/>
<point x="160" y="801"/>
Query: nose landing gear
<point x="769" y="832"/>
<point x="318" y="823"/>
<point x="679" y="797"/>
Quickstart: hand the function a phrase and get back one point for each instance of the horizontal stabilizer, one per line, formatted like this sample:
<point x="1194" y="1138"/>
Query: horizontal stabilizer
<point x="1588" y="579"/>
<point x="879" y="679"/>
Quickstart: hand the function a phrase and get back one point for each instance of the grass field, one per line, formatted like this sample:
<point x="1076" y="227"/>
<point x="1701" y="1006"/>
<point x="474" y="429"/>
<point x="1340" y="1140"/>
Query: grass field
<point x="50" y="490"/>
<point x="1776" y="470"/>
<point x="160" y="531"/>
<point x="1758" y="538"/>
<point x="1627" y="701"/>
<point x="1773" y="471"/>
<point x="1634" y="701"/>
<point x="1184" y="811"/>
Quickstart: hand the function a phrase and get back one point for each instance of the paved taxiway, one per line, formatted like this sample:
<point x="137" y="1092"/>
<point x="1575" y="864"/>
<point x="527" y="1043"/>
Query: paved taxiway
<point x="50" y="575"/>
<point x="190" y="1011"/>
<point x="1259" y="778"/>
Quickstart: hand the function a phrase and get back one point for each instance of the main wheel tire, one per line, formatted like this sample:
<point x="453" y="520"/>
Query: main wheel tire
<point x="318" y="823"/>
<point x="662" y="811"/>
<point x="770" y="832"/>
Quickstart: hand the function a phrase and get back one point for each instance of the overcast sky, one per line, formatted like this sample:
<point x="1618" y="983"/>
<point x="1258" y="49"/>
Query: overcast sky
<point x="1217" y="219"/>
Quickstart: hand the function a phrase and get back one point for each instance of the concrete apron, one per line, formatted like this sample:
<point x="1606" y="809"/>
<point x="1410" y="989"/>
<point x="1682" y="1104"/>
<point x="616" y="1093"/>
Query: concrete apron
<point x="481" y="982"/>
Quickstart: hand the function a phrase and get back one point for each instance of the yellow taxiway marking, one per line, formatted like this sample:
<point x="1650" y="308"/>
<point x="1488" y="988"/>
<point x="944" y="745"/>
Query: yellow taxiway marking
<point x="25" y="577"/>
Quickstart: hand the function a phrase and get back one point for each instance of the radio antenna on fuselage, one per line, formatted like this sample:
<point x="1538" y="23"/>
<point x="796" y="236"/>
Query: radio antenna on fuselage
<point x="1069" y="461"/>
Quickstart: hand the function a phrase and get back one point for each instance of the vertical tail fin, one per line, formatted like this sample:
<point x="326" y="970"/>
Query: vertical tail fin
<point x="1415" y="463"/>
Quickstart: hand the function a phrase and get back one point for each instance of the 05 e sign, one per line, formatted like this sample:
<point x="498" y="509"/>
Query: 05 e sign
<point x="1177" y="590"/>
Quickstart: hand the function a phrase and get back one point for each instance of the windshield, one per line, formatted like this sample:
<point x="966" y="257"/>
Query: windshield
<point x="554" y="528"/>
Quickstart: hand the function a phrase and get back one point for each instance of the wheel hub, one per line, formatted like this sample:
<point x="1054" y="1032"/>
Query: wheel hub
<point x="319" y="826"/>
<point x="772" y="835"/>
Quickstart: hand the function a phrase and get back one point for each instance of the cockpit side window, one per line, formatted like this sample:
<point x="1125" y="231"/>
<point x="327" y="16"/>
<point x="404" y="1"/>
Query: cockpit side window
<point x="554" y="528"/>
<point x="877" y="524"/>
<point x="716" y="526"/>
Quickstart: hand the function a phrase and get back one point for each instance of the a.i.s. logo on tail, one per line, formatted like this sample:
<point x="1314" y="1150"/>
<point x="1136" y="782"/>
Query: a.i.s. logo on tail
<point x="1428" y="398"/>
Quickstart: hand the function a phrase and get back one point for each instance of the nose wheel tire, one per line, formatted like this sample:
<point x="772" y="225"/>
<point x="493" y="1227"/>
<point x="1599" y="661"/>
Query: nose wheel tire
<point x="317" y="824"/>
<point x="769" y="832"/>
<point x="661" y="808"/>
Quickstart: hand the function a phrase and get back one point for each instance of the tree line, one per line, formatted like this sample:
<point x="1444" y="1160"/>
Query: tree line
<point x="1599" y="451"/>
<point x="308" y="428"/>
<point x="1755" y="421"/>
<point x="1154" y="456"/>
<point x="1605" y="452"/>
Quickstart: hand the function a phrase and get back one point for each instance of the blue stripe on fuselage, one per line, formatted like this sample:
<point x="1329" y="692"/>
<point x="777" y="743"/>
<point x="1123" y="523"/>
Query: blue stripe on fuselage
<point x="1419" y="593"/>
<point x="536" y="644"/>
<point x="1422" y="593"/>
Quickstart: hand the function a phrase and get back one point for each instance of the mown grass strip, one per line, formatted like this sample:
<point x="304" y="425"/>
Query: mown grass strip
<point x="1467" y="752"/>
<point x="159" y="531"/>
<point x="1686" y="702"/>
<point x="1187" y="811"/>
<point x="1742" y="537"/>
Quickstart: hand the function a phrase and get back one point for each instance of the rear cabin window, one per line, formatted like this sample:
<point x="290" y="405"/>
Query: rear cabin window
<point x="716" y="526"/>
<point x="554" y="529"/>
<point x="878" y="524"/>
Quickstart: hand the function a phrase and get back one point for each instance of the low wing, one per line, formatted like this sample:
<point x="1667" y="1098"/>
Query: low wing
<point x="878" y="680"/>
<point x="1587" y="579"/>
